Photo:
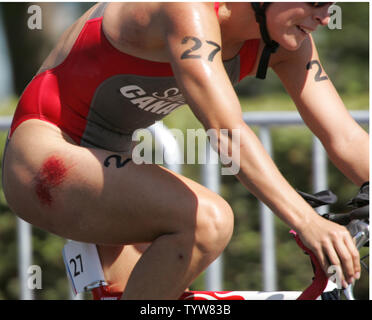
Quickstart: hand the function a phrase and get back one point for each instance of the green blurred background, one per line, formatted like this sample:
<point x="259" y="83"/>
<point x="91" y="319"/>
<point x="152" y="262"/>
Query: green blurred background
<point x="344" y="54"/>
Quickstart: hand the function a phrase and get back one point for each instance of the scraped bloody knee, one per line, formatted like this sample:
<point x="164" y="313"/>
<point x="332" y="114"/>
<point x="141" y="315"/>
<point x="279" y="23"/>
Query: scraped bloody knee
<point x="51" y="174"/>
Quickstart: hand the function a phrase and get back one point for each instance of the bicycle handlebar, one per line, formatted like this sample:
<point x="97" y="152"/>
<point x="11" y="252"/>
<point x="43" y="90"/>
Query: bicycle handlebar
<point x="345" y="218"/>
<point x="356" y="220"/>
<point x="357" y="223"/>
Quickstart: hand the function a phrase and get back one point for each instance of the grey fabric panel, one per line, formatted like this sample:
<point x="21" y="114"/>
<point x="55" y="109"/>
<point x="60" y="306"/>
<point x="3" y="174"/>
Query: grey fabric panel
<point x="96" y="136"/>
<point x="98" y="12"/>
<point x="232" y="68"/>
<point x="124" y="103"/>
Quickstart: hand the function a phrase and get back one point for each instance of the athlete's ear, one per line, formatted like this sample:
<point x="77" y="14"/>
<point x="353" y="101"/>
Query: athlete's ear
<point x="223" y="5"/>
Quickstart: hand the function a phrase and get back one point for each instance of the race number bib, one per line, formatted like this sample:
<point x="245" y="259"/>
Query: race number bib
<point x="83" y="266"/>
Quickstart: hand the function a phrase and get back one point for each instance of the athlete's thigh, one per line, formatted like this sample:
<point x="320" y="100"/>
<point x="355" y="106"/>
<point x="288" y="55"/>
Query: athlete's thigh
<point x="67" y="189"/>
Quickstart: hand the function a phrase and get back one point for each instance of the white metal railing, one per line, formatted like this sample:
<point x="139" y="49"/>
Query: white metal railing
<point x="211" y="179"/>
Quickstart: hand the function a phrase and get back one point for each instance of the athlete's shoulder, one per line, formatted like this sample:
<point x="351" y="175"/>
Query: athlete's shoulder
<point x="186" y="7"/>
<point x="188" y="14"/>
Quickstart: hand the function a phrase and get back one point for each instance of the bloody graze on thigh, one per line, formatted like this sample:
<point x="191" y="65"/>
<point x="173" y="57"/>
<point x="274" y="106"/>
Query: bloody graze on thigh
<point x="51" y="174"/>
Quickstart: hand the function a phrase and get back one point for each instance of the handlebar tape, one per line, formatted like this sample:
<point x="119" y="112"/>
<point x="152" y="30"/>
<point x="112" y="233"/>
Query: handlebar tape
<point x="320" y="279"/>
<point x="319" y="199"/>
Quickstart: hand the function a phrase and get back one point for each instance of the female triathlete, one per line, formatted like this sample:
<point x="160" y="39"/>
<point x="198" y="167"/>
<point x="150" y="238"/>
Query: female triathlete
<point x="121" y="67"/>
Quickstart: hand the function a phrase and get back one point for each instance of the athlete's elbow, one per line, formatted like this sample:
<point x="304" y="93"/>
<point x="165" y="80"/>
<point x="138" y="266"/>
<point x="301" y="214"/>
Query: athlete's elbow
<point x="347" y="141"/>
<point x="226" y="143"/>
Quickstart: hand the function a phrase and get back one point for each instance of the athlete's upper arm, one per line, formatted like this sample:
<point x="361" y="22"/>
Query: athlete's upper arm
<point x="313" y="93"/>
<point x="193" y="40"/>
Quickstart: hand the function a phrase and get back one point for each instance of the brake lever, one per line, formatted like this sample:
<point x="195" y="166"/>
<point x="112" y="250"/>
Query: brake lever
<point x="359" y="230"/>
<point x="360" y="239"/>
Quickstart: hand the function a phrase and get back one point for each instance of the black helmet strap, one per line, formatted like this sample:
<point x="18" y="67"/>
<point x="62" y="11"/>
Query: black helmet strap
<point x="271" y="45"/>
